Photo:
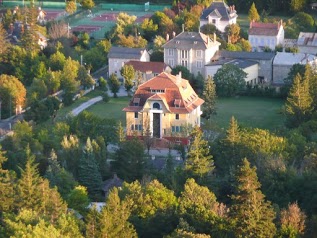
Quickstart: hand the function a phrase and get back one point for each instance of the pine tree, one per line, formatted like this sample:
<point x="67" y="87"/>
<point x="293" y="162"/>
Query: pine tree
<point x="28" y="195"/>
<point x="253" y="13"/>
<point x="114" y="218"/>
<point x="93" y="223"/>
<point x="30" y="36"/>
<point x="251" y="214"/>
<point x="7" y="186"/>
<point x="233" y="132"/>
<point x="88" y="172"/>
<point x="120" y="133"/>
<point x="199" y="162"/>
<point x="299" y="102"/>
<point x="209" y="95"/>
<point x="312" y="77"/>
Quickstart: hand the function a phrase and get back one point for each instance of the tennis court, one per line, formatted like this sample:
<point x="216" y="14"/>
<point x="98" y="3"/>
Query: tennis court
<point x="53" y="14"/>
<point x="86" y="28"/>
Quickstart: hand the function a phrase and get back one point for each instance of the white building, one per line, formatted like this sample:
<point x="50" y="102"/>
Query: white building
<point x="192" y="50"/>
<point x="263" y="35"/>
<point x="117" y="56"/>
<point x="219" y="14"/>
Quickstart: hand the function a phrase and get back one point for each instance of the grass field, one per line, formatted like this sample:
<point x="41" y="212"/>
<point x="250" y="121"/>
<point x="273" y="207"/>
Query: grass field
<point x="263" y="113"/>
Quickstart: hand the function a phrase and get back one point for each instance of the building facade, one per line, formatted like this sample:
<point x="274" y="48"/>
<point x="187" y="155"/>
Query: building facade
<point x="307" y="43"/>
<point x="192" y="50"/>
<point x="262" y="35"/>
<point x="166" y="106"/>
<point x="118" y="56"/>
<point x="219" y="14"/>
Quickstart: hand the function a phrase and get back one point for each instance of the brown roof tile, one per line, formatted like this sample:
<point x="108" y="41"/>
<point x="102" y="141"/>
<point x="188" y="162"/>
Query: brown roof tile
<point x="264" y="29"/>
<point x="175" y="88"/>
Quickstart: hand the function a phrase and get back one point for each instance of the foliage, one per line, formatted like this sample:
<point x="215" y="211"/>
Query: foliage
<point x="128" y="73"/>
<point x="129" y="160"/>
<point x="229" y="80"/>
<point x="199" y="162"/>
<point x="114" y="84"/>
<point x="78" y="199"/>
<point x="12" y="94"/>
<point x="87" y="4"/>
<point x="209" y="95"/>
<point x="252" y="215"/>
<point x="71" y="6"/>
<point x="253" y="13"/>
<point x="299" y="102"/>
<point x="233" y="33"/>
<point x="114" y="217"/>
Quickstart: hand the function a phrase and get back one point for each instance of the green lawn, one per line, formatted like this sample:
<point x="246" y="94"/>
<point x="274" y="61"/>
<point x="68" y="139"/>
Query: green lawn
<point x="111" y="109"/>
<point x="265" y="113"/>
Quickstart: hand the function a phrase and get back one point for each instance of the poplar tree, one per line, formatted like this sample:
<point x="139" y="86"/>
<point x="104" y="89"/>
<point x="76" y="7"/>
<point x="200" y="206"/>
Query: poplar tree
<point x="209" y="95"/>
<point x="114" y="85"/>
<point x="199" y="162"/>
<point x="299" y="102"/>
<point x="253" y="14"/>
<point x="251" y="214"/>
<point x="128" y="73"/>
<point x="93" y="223"/>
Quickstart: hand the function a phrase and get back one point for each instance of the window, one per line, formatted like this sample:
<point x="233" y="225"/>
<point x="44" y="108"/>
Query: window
<point x="177" y="102"/>
<point x="136" y="115"/>
<point x="199" y="53"/>
<point x="156" y="105"/>
<point x="171" y="62"/>
<point x="177" y="116"/>
<point x="176" y="128"/>
<point x="213" y="21"/>
<point x="136" y="127"/>
<point x="185" y="63"/>
<point x="171" y="52"/>
<point x="136" y="102"/>
<point x="184" y="54"/>
<point x="199" y="64"/>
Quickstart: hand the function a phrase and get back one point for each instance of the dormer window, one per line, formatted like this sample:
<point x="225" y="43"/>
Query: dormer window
<point x="177" y="42"/>
<point x="195" y="42"/>
<point x="177" y="102"/>
<point x="156" y="105"/>
<point x="136" y="102"/>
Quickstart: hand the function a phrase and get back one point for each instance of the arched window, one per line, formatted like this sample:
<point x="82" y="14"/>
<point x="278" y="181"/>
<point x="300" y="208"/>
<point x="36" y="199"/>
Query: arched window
<point x="156" y="105"/>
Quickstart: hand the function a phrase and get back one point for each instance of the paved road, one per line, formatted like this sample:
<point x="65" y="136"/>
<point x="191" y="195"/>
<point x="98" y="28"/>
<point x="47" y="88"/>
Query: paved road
<point x="85" y="105"/>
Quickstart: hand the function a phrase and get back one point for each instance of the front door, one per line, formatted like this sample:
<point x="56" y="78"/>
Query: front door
<point x="156" y="125"/>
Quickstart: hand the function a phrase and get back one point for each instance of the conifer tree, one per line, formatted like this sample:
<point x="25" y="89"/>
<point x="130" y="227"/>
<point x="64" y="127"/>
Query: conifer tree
<point x="233" y="132"/>
<point x="28" y="195"/>
<point x="88" y="172"/>
<point x="30" y="28"/>
<point x="4" y="44"/>
<point x="253" y="13"/>
<point x="299" y="102"/>
<point x="209" y="95"/>
<point x="199" y="162"/>
<point x="120" y="133"/>
<point x="312" y="77"/>
<point x="7" y="186"/>
<point x="114" y="218"/>
<point x="251" y="214"/>
<point x="93" y="223"/>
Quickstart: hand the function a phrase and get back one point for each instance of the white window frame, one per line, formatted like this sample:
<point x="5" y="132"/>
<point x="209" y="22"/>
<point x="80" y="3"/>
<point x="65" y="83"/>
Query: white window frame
<point x="199" y="53"/>
<point x="170" y="52"/>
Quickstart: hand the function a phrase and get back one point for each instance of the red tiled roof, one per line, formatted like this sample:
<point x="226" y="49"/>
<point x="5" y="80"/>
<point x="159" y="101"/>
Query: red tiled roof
<point x="173" y="87"/>
<point x="154" y="67"/>
<point x="265" y="29"/>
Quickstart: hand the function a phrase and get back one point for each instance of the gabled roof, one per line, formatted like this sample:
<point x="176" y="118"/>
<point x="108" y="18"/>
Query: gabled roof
<point x="225" y="12"/>
<point x="307" y="39"/>
<point x="247" y="55"/>
<point x="125" y="52"/>
<point x="284" y="58"/>
<point x="173" y="87"/>
<point x="264" y="29"/>
<point x="154" y="67"/>
<point x="242" y="64"/>
<point x="191" y="40"/>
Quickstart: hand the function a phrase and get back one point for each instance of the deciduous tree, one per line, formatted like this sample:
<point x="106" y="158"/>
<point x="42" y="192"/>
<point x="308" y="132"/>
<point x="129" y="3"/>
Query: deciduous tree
<point x="128" y="73"/>
<point x="114" y="84"/>
<point x="209" y="95"/>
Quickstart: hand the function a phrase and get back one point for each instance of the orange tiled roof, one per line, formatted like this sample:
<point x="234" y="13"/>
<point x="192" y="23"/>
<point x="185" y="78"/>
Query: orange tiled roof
<point x="154" y="67"/>
<point x="264" y="29"/>
<point x="167" y="88"/>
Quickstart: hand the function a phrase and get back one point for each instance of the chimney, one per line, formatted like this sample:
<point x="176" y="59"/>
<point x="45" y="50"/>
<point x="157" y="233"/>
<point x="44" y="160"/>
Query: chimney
<point x="215" y="37"/>
<point x="233" y="7"/>
<point x="167" y="37"/>
<point x="183" y="27"/>
<point x="174" y="34"/>
<point x="251" y="24"/>
<point x="179" y="77"/>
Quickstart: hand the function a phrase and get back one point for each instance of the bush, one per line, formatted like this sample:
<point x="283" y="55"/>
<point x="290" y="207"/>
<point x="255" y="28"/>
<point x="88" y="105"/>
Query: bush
<point x="105" y="97"/>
